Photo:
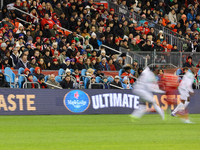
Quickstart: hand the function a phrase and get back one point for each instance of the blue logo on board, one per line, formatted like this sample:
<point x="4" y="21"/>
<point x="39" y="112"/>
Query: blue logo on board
<point x="77" y="101"/>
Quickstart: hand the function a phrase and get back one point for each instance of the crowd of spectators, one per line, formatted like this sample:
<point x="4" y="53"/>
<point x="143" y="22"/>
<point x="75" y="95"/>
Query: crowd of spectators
<point x="43" y="43"/>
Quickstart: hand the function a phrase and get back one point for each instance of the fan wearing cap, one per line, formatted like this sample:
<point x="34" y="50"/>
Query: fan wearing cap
<point x="127" y="73"/>
<point x="118" y="30"/>
<point x="92" y="84"/>
<point x="6" y="62"/>
<point x="40" y="11"/>
<point x="116" y="83"/>
<point x="46" y="43"/>
<point x="3" y="49"/>
<point x="38" y="73"/>
<point x="66" y="64"/>
<point x="6" y="21"/>
<point x="165" y="20"/>
<point x="133" y="46"/>
<point x="73" y="63"/>
<point x="33" y="62"/>
<point x="126" y="84"/>
<point x="80" y="63"/>
<point x="77" y="75"/>
<point x="9" y="36"/>
<point x="188" y="62"/>
<point x="158" y="46"/>
<point x="167" y="47"/>
<point x="29" y="85"/>
<point x="41" y="82"/>
<point x="55" y="64"/>
<point x="62" y="56"/>
<point x="62" y="42"/>
<point x="148" y="46"/>
<point x="104" y="65"/>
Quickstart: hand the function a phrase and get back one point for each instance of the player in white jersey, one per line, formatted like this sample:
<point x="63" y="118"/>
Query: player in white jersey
<point x="144" y="88"/>
<point x="185" y="89"/>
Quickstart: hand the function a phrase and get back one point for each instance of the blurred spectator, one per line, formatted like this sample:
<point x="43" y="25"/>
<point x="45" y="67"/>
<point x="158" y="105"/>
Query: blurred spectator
<point x="66" y="64"/>
<point x="158" y="46"/>
<point x="172" y="16"/>
<point x="66" y="83"/>
<point x="104" y="65"/>
<point x="111" y="65"/>
<point x="90" y="72"/>
<point x="29" y="84"/>
<point x="42" y="64"/>
<point x="80" y="63"/>
<point x="188" y="62"/>
<point x="118" y="63"/>
<point x="38" y="73"/>
<point x="128" y="74"/>
<point x="126" y="84"/>
<point x="51" y="81"/>
<point x="14" y="56"/>
<point x="116" y="83"/>
<point x="33" y="62"/>
<point x="92" y="84"/>
<point x="55" y="64"/>
<point x="62" y="57"/>
<point x="23" y="62"/>
<point x="3" y="82"/>
<point x="133" y="46"/>
<point x="135" y="67"/>
<point x="42" y="83"/>
<point x="77" y="75"/>
<point x="105" y="83"/>
<point x="99" y="73"/>
<point x="87" y="64"/>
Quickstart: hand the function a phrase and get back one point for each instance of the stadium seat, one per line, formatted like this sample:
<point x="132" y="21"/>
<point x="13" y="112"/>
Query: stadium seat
<point x="72" y="70"/>
<point x="110" y="79"/>
<point x="20" y="81"/>
<point x="58" y="79"/>
<point x="83" y="72"/>
<point x="132" y="72"/>
<point x="10" y="73"/>
<point x="35" y="79"/>
<point x="46" y="78"/>
<point x="85" y="82"/>
<point x="61" y="71"/>
<point x="121" y="71"/>
<point x="21" y="71"/>
<point x="178" y="72"/>
<point x="32" y="70"/>
<point x="98" y="79"/>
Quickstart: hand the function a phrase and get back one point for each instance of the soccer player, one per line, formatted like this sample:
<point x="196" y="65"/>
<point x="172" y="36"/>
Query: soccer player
<point x="144" y="88"/>
<point x="185" y="89"/>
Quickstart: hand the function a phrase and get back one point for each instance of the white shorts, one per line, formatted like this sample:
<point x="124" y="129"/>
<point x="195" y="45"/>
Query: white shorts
<point x="183" y="94"/>
<point x="144" y="95"/>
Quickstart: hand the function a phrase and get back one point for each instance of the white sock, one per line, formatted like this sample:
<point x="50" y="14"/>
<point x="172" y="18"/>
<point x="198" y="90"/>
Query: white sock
<point x="140" y="111"/>
<point x="186" y="104"/>
<point x="180" y="105"/>
<point x="159" y="110"/>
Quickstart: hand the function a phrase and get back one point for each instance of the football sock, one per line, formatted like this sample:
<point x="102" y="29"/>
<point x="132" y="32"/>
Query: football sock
<point x="159" y="110"/>
<point x="180" y="105"/>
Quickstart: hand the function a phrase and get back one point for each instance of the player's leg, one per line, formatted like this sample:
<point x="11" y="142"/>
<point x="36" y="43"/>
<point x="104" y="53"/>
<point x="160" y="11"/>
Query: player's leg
<point x="183" y="96"/>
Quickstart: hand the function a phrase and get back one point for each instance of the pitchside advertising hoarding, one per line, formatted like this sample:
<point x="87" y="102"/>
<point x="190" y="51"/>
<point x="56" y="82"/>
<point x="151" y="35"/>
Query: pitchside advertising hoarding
<point x="55" y="102"/>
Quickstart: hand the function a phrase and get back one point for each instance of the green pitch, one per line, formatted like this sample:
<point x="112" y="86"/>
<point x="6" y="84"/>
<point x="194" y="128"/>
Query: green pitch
<point x="97" y="132"/>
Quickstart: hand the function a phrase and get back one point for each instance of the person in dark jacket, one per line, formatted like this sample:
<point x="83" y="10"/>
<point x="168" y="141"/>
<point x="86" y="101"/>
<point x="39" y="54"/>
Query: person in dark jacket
<point x="66" y="83"/>
<point x="29" y="85"/>
<point x="42" y="83"/>
<point x="55" y="65"/>
<point x="158" y="46"/>
<point x="116" y="82"/>
<point x="93" y="86"/>
<point x="46" y="32"/>
<point x="188" y="62"/>
<point x="23" y="62"/>
<point x="38" y="73"/>
<point x="118" y="31"/>
<point x="3" y="82"/>
<point x="118" y="63"/>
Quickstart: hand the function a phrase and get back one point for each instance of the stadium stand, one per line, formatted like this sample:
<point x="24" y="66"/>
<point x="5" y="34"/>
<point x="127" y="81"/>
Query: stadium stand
<point x="103" y="36"/>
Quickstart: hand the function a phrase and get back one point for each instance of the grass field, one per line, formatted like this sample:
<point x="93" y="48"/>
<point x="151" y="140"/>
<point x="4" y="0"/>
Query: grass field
<point x="93" y="132"/>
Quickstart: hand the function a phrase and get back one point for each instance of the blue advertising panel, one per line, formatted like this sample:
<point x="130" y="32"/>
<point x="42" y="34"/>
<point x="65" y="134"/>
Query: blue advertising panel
<point x="87" y="101"/>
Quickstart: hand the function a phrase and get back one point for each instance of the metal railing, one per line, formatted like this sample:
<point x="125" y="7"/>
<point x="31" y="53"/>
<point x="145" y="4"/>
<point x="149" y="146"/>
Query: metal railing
<point x="167" y="59"/>
<point x="129" y="59"/>
<point x="53" y="85"/>
<point x="116" y="86"/>
<point x="9" y="80"/>
<point x="25" y="83"/>
<point x="170" y="36"/>
<point x="38" y="21"/>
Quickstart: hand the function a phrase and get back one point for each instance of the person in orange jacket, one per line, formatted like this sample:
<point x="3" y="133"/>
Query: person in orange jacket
<point x="167" y="47"/>
<point x="165" y="20"/>
<point x="128" y="74"/>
